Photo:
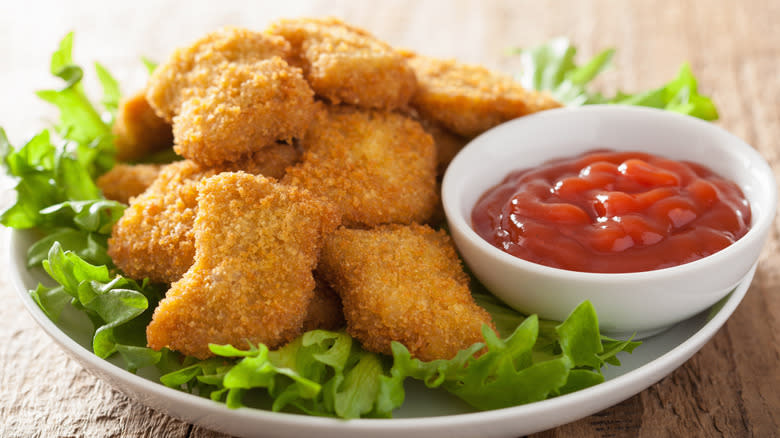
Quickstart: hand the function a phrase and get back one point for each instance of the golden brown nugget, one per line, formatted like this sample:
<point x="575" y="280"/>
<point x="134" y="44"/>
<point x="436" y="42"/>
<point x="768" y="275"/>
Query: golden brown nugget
<point x="154" y="237"/>
<point x="247" y="107"/>
<point x="138" y="131"/>
<point x="126" y="181"/>
<point x="470" y="99"/>
<point x="190" y="71"/>
<point x="377" y="167"/>
<point x="406" y="284"/>
<point x="257" y="243"/>
<point x="347" y="64"/>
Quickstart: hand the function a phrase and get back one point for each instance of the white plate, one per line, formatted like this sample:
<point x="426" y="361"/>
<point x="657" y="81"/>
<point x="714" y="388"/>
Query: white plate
<point x="425" y="413"/>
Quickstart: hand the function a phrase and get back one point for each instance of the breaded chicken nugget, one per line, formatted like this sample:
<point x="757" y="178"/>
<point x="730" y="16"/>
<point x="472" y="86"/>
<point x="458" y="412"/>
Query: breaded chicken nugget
<point x="126" y="181"/>
<point x="347" y="64"/>
<point x="257" y="243"/>
<point x="190" y="71"/>
<point x="247" y="107"/>
<point x="405" y="284"/>
<point x="153" y="239"/>
<point x="377" y="167"/>
<point x="324" y="310"/>
<point x="470" y="99"/>
<point x="138" y="131"/>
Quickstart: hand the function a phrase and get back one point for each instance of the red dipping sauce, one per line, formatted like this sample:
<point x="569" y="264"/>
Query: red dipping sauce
<point x="606" y="211"/>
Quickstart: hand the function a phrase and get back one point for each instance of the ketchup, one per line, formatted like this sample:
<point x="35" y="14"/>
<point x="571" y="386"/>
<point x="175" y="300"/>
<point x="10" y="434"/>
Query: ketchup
<point x="606" y="211"/>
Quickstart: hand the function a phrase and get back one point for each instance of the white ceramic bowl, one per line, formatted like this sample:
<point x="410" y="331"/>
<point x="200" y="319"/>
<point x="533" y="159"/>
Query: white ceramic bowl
<point x="641" y="302"/>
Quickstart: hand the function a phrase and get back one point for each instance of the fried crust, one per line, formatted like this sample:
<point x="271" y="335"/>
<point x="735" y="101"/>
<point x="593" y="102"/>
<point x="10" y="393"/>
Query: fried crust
<point x="191" y="70"/>
<point x="246" y="108"/>
<point x="138" y="131"/>
<point x="126" y="181"/>
<point x="405" y="284"/>
<point x="346" y="64"/>
<point x="470" y="99"/>
<point x="153" y="239"/>
<point x="257" y="243"/>
<point x="377" y="167"/>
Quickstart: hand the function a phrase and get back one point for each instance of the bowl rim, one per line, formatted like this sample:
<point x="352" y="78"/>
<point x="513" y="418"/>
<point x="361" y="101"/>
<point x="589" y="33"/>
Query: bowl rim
<point x="452" y="204"/>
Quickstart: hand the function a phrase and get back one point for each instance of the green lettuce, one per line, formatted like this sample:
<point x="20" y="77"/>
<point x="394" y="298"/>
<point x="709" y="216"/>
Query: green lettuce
<point x="86" y="128"/>
<point x="535" y="362"/>
<point x="55" y="189"/>
<point x="56" y="195"/>
<point x="551" y="67"/>
<point x="117" y="306"/>
<point x="320" y="373"/>
<point x="150" y="65"/>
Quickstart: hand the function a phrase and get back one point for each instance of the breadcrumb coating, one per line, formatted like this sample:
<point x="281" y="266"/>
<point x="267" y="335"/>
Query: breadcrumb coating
<point x="229" y="94"/>
<point x="153" y="238"/>
<point x="406" y="284"/>
<point x="246" y="108"/>
<point x="377" y="167"/>
<point x="126" y="181"/>
<point x="257" y="243"/>
<point x="191" y="70"/>
<point x="138" y="131"/>
<point x="470" y="99"/>
<point x="346" y="64"/>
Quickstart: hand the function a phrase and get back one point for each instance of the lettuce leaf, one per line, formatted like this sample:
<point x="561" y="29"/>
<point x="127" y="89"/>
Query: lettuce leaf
<point x="111" y="93"/>
<point x="116" y="305"/>
<point x="55" y="189"/>
<point x="551" y="67"/>
<point x="81" y="123"/>
<point x="320" y="373"/>
<point x="150" y="65"/>
<point x="521" y="368"/>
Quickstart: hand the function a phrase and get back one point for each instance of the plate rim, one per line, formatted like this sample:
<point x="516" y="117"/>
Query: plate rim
<point x="575" y="405"/>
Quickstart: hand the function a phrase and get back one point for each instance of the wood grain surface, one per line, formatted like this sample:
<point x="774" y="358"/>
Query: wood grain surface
<point x="730" y="388"/>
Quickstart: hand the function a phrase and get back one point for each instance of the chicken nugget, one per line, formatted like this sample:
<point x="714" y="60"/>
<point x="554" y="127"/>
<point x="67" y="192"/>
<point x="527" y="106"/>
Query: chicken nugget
<point x="246" y="108"/>
<point x="257" y="243"/>
<point x="153" y="238"/>
<point x="190" y="71"/>
<point x="138" y="131"/>
<point x="377" y="167"/>
<point x="347" y="64"/>
<point x="470" y="99"/>
<point x="406" y="284"/>
<point x="126" y="181"/>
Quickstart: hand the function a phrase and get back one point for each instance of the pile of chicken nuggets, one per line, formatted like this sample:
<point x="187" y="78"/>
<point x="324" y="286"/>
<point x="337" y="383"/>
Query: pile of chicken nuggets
<point x="308" y="186"/>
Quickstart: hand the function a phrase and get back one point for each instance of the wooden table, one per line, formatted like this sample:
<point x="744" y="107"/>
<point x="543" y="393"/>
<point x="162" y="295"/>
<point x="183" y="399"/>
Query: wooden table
<point x="730" y="388"/>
